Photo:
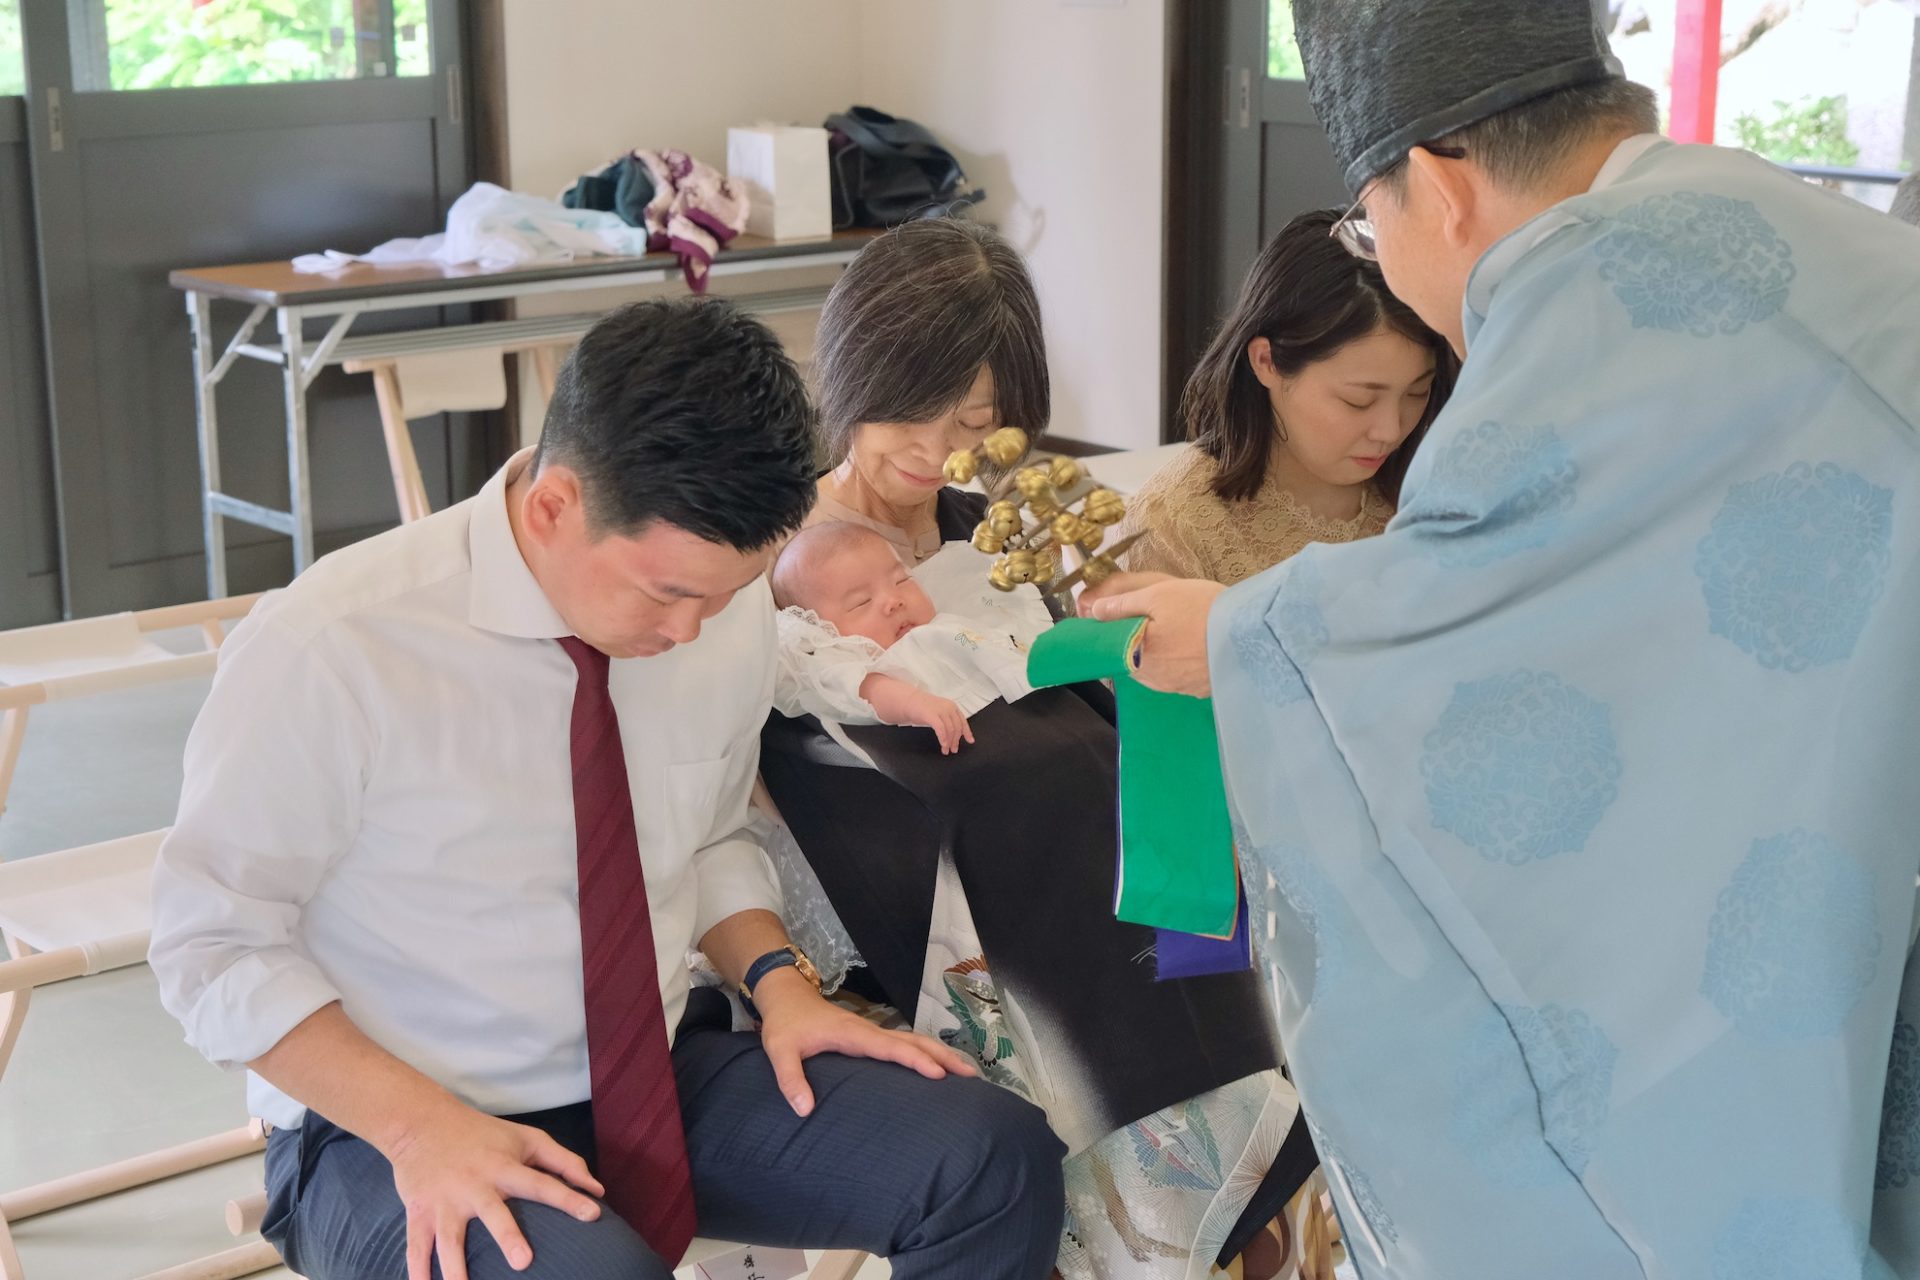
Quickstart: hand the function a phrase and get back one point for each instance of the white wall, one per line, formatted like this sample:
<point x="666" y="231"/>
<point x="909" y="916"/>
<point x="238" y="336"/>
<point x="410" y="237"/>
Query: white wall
<point x="1057" y="108"/>
<point x="590" y="79"/>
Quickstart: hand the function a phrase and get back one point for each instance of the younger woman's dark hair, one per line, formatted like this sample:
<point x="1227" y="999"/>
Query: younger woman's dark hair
<point x="1308" y="297"/>
<point x="910" y="324"/>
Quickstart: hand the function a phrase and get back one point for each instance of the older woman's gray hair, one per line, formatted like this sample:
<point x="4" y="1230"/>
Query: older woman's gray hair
<point x="1906" y="200"/>
<point x="918" y="314"/>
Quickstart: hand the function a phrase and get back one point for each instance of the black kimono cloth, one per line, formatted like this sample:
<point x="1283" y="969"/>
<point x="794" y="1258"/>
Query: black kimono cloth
<point x="1029" y="816"/>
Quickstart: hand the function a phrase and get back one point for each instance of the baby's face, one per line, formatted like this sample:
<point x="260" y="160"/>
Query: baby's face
<point x="866" y="591"/>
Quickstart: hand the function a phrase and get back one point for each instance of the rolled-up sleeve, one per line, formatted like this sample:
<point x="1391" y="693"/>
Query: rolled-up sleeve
<point x="276" y="767"/>
<point x="734" y="872"/>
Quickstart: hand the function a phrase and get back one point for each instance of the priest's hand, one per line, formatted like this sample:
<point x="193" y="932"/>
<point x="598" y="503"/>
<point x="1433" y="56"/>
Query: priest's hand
<point x="798" y="1023"/>
<point x="1173" y="658"/>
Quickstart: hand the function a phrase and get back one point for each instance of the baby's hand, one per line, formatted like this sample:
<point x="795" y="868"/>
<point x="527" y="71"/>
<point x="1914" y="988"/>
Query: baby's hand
<point x="897" y="702"/>
<point x="944" y="718"/>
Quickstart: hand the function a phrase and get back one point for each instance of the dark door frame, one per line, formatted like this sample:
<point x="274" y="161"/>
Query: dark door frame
<point x="29" y="580"/>
<point x="1213" y="173"/>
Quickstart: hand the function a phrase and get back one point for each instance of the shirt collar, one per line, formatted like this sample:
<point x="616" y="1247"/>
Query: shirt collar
<point x="505" y="597"/>
<point x="1498" y="261"/>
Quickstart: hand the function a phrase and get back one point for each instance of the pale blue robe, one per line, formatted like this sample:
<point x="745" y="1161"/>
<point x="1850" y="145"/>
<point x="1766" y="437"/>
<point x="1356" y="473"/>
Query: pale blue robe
<point x="1582" y="808"/>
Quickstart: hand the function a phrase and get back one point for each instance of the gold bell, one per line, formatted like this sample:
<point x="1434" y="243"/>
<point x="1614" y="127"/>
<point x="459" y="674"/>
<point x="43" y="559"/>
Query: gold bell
<point x="1104" y="506"/>
<point x="1046" y="567"/>
<point x="1006" y="446"/>
<point x="1093" y="537"/>
<point x="962" y="467"/>
<point x="1067" y="528"/>
<point x="1003" y="519"/>
<point x="999" y="580"/>
<point x="1098" y="570"/>
<point x="1033" y="481"/>
<point x="1021" y="566"/>
<point x="985" y="539"/>
<point x="1065" y="473"/>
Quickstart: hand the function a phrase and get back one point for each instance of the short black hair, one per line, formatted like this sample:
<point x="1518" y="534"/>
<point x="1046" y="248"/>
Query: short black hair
<point x="1521" y="147"/>
<point x="687" y="412"/>
<point x="914" y="319"/>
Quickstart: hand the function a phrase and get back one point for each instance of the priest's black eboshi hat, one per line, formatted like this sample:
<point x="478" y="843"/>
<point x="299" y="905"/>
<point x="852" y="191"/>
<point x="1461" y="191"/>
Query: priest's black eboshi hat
<point x="1388" y="75"/>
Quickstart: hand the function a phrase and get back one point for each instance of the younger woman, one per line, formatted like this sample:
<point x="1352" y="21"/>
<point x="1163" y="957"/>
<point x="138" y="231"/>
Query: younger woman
<point x="1304" y="413"/>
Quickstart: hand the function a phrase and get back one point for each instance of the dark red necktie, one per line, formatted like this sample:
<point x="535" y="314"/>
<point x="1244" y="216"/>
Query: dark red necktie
<point x="636" y="1108"/>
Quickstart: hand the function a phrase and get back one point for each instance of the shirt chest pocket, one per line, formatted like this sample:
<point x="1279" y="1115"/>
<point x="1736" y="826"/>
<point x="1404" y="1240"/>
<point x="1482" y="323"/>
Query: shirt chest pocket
<point x="690" y="804"/>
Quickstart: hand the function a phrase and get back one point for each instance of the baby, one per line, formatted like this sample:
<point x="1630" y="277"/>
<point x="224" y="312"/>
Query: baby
<point x="862" y="643"/>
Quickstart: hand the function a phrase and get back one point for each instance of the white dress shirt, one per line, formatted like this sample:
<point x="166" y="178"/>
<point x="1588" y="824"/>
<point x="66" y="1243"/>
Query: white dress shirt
<point x="378" y="810"/>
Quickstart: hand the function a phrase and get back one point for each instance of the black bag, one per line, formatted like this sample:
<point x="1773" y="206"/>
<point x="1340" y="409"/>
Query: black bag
<point x="886" y="170"/>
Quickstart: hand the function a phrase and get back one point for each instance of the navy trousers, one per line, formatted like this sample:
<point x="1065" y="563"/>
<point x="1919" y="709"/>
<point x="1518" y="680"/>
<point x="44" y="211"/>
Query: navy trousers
<point x="951" y="1179"/>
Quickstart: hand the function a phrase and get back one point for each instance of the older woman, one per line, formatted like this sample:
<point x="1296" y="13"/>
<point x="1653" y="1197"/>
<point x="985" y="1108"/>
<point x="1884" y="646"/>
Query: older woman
<point x="978" y="887"/>
<point x="930" y="342"/>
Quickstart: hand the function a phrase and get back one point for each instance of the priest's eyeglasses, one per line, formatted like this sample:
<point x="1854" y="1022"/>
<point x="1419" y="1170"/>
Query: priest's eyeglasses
<point x="1354" y="231"/>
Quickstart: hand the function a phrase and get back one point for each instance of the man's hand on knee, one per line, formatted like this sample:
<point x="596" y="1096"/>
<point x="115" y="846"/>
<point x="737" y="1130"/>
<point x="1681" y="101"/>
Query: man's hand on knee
<point x="799" y="1024"/>
<point x="457" y="1164"/>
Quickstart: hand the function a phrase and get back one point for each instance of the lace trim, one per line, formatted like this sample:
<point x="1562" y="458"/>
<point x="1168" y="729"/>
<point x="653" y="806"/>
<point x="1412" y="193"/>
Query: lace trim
<point x="1373" y="515"/>
<point x="1192" y="533"/>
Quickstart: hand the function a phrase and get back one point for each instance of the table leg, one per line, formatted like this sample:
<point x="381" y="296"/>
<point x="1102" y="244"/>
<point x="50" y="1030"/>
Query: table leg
<point x="212" y="523"/>
<point x="299" y="481"/>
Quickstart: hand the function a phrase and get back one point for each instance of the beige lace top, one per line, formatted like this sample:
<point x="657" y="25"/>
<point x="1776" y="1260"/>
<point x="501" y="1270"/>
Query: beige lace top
<point x="1192" y="533"/>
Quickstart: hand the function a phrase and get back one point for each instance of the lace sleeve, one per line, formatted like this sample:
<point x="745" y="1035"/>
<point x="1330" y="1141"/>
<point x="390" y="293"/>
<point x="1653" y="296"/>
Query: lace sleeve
<point x="1164" y="545"/>
<point x="821" y="671"/>
<point x="808" y="914"/>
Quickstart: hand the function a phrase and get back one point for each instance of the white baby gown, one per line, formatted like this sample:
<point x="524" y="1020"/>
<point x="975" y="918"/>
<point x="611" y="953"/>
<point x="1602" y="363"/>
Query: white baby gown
<point x="973" y="652"/>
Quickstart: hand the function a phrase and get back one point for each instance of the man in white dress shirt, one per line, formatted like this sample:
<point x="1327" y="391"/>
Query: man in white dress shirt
<point x="461" y="801"/>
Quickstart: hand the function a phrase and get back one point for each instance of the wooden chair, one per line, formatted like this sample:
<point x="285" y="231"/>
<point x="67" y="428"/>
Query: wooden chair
<point x="460" y="372"/>
<point x="420" y="373"/>
<point x="76" y="659"/>
<point x="84" y="911"/>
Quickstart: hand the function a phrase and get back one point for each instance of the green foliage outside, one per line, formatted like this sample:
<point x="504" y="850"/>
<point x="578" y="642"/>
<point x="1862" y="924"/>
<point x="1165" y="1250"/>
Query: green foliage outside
<point x="1283" y="52"/>
<point x="12" y="67"/>
<point x="1810" y="131"/>
<point x="169" y="44"/>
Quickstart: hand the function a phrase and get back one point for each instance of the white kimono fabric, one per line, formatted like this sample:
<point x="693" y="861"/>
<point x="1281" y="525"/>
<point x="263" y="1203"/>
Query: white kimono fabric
<point x="1582" y="808"/>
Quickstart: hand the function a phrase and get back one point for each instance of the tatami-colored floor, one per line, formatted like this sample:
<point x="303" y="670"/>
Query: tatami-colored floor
<point x="100" y="1072"/>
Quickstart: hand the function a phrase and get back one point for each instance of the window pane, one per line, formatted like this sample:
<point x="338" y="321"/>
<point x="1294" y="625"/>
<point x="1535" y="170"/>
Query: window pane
<point x="1283" y="53"/>
<point x="177" y="44"/>
<point x="1799" y="83"/>
<point x="411" y="53"/>
<point x="13" y="67"/>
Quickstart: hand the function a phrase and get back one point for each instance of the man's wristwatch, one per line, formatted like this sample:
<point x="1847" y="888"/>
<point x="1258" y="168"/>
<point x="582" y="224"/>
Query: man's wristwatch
<point x="784" y="957"/>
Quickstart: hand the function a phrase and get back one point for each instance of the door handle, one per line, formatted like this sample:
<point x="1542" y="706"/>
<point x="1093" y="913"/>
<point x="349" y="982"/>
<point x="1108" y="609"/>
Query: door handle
<point x="1238" y="107"/>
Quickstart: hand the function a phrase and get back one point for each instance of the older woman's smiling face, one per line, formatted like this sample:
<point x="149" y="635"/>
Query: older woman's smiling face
<point x="903" y="463"/>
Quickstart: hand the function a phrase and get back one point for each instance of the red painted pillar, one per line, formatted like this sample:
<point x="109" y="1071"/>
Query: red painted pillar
<point x="1696" y="70"/>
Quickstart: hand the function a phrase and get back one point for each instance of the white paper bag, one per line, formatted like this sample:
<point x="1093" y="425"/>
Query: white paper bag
<point x="784" y="171"/>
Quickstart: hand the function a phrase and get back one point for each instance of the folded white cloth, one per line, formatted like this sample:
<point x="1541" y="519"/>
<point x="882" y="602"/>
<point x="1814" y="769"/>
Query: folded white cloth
<point x="497" y="229"/>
